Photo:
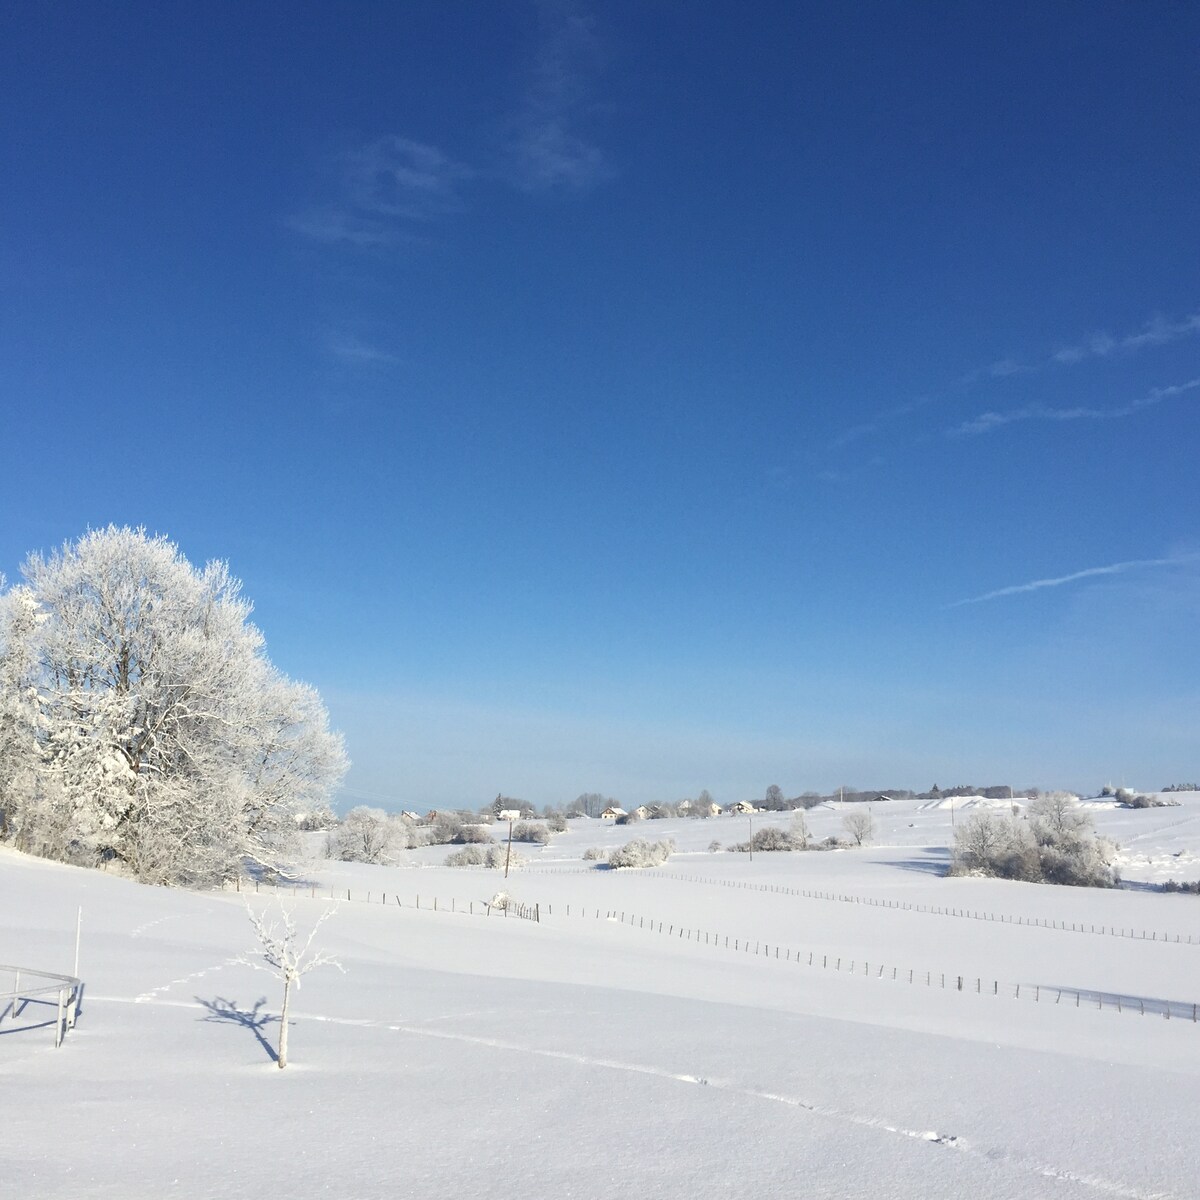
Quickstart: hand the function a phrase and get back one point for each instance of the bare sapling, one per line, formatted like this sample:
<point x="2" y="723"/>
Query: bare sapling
<point x="860" y="826"/>
<point x="288" y="956"/>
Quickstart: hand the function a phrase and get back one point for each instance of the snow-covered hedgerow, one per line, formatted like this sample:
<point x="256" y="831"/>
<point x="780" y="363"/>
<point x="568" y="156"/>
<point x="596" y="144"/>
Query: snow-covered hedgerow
<point x="1129" y="799"/>
<point x="595" y="854"/>
<point x="1057" y="844"/>
<point x="641" y="853"/>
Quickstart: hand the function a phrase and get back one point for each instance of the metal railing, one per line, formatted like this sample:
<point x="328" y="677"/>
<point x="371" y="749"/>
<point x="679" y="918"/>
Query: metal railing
<point x="22" y="986"/>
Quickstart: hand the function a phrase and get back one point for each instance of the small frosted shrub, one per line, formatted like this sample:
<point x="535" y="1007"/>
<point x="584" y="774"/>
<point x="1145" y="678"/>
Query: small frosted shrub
<point x="595" y="854"/>
<point x="468" y="856"/>
<point x="470" y="835"/>
<point x="443" y="829"/>
<point x="769" y="838"/>
<point x="641" y="853"/>
<point x="530" y="831"/>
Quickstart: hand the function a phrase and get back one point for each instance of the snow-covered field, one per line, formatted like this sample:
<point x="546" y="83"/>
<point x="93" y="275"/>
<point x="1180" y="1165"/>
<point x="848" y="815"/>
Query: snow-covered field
<point x="591" y="1055"/>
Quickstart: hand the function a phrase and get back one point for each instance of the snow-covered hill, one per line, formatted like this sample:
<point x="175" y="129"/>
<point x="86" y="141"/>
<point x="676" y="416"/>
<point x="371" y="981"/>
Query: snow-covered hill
<point x="591" y="1055"/>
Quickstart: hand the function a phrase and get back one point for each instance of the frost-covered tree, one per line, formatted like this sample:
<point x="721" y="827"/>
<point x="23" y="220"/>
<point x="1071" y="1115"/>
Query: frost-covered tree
<point x="860" y="826"/>
<point x="367" y="835"/>
<point x="985" y="842"/>
<point x="799" y="829"/>
<point x="18" y="718"/>
<point x="590" y="804"/>
<point x="141" y="721"/>
<point x="1059" y="815"/>
<point x="287" y="956"/>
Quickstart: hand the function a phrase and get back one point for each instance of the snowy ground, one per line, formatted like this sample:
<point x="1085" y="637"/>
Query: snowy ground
<point x="464" y="1055"/>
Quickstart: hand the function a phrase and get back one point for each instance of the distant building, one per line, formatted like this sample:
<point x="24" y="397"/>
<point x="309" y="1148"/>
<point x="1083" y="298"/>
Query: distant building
<point x="742" y="806"/>
<point x="612" y="813"/>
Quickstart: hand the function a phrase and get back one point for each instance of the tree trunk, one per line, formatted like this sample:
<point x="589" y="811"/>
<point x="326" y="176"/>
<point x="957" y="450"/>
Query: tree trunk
<point x="283" y="1023"/>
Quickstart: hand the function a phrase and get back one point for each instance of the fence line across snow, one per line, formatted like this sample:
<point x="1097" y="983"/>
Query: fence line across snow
<point x="1145" y="935"/>
<point x="310" y="891"/>
<point x="1051" y="994"/>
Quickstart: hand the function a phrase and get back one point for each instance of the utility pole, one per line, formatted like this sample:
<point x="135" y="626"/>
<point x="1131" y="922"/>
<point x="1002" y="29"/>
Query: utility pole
<point x="509" y="815"/>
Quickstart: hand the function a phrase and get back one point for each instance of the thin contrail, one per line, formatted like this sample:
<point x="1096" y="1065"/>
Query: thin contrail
<point x="1037" y="585"/>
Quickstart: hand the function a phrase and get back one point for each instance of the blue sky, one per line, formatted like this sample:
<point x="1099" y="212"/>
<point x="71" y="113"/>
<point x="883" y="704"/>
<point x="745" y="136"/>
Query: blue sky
<point x="636" y="397"/>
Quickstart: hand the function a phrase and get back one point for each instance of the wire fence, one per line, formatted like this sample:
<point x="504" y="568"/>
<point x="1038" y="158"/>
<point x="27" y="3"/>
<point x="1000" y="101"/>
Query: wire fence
<point x="973" y="914"/>
<point x="503" y="905"/>
<point x="1038" y="993"/>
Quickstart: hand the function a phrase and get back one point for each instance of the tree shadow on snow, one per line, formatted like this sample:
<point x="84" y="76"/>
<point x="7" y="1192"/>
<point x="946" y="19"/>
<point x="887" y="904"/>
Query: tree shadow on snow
<point x="936" y="862"/>
<point x="270" y="880"/>
<point x="224" y="1012"/>
<point x="1138" y="885"/>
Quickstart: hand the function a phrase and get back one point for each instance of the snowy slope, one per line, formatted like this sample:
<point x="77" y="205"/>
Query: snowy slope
<point x="589" y="1056"/>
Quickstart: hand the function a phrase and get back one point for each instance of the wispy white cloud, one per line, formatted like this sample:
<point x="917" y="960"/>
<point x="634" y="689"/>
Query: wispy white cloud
<point x="1002" y="368"/>
<point x="385" y="190"/>
<point x="1119" y="568"/>
<point x="1156" y="332"/>
<point x="352" y="349"/>
<point x="388" y="191"/>
<point x="398" y="178"/>
<point x="337" y="226"/>
<point x="545" y="149"/>
<point x="989" y="422"/>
